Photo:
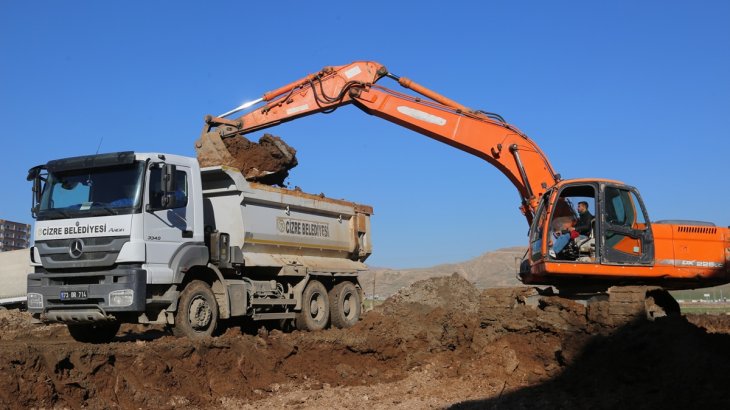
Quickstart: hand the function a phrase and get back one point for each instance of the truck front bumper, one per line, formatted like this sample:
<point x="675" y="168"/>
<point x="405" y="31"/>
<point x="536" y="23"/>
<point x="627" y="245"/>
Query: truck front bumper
<point x="79" y="297"/>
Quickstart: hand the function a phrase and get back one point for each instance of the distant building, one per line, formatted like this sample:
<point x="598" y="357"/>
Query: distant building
<point x="13" y="235"/>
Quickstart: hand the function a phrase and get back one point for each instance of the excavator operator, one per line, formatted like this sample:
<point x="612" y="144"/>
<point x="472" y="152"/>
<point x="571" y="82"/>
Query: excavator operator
<point x="583" y="226"/>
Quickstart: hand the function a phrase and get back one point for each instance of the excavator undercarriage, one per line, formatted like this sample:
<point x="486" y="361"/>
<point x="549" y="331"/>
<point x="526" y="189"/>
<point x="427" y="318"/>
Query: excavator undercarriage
<point x="614" y="307"/>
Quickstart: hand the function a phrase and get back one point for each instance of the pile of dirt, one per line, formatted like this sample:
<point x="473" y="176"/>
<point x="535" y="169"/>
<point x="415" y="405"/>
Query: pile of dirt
<point x="267" y="161"/>
<point x="16" y="325"/>
<point x="669" y="363"/>
<point x="437" y="343"/>
<point x="711" y="323"/>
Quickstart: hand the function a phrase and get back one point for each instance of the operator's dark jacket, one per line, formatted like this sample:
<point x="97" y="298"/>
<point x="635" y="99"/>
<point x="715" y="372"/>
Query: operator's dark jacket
<point x="584" y="223"/>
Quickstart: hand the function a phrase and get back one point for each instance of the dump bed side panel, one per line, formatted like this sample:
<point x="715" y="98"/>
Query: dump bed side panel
<point x="275" y="226"/>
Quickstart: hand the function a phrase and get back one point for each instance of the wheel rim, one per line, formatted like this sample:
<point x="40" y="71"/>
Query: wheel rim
<point x="317" y="307"/>
<point x="200" y="313"/>
<point x="348" y="304"/>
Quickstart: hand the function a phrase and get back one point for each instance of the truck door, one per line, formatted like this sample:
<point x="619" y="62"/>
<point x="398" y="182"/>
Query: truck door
<point x="626" y="232"/>
<point x="166" y="230"/>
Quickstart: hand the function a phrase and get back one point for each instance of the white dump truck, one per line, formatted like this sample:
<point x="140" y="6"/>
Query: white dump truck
<point x="153" y="238"/>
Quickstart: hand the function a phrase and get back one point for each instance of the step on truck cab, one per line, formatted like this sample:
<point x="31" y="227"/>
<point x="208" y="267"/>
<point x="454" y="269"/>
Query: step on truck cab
<point x="152" y="238"/>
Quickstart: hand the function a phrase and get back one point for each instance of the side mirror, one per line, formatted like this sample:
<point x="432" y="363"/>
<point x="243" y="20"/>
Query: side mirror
<point x="168" y="177"/>
<point x="168" y="186"/>
<point x="37" y="191"/>
<point x="34" y="174"/>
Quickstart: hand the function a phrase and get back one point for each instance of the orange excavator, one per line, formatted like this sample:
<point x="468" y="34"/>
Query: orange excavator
<point x="617" y="246"/>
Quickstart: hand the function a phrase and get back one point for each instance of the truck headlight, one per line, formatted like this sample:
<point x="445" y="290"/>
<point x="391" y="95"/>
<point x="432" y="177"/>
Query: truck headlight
<point x="35" y="301"/>
<point x="124" y="297"/>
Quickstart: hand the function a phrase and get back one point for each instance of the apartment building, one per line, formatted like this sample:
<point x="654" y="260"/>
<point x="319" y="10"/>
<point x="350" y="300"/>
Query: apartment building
<point x="13" y="235"/>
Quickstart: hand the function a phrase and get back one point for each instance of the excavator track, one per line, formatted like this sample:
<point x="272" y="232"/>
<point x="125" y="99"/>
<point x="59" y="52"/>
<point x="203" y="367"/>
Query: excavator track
<point x="618" y="305"/>
<point x="624" y="304"/>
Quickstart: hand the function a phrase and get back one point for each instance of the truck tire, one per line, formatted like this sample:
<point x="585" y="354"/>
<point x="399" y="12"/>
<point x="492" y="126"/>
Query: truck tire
<point x="197" y="312"/>
<point x="315" y="313"/>
<point x="99" y="332"/>
<point x="345" y="305"/>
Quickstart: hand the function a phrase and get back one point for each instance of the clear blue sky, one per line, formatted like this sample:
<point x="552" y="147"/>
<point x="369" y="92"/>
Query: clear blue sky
<point x="634" y="91"/>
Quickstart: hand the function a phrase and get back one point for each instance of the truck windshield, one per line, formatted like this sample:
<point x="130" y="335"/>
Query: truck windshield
<point x="92" y="192"/>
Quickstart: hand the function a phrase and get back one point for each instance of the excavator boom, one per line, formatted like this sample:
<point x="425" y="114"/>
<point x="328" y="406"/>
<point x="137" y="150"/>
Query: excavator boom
<point x="482" y="134"/>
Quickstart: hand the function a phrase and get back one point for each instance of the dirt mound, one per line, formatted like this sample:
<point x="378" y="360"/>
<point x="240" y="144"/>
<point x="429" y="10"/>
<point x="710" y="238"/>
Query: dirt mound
<point x="436" y="343"/>
<point x="669" y="363"/>
<point x="16" y="325"/>
<point x="711" y="323"/>
<point x="11" y="321"/>
<point x="453" y="292"/>
<point x="267" y="161"/>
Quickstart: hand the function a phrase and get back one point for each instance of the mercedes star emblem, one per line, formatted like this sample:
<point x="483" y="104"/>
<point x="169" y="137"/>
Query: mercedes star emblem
<point x="76" y="248"/>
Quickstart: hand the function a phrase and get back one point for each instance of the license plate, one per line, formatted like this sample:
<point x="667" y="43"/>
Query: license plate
<point x="73" y="294"/>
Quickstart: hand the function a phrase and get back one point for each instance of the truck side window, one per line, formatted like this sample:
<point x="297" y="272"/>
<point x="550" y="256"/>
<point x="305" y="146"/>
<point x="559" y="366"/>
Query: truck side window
<point x="155" y="192"/>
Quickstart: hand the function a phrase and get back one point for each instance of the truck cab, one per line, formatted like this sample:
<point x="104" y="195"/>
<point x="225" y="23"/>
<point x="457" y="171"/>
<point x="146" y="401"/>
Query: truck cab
<point x="105" y="229"/>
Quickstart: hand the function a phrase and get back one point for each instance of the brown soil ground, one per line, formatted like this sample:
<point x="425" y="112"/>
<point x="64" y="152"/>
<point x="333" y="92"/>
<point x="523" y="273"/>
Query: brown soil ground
<point x="267" y="161"/>
<point x="439" y="343"/>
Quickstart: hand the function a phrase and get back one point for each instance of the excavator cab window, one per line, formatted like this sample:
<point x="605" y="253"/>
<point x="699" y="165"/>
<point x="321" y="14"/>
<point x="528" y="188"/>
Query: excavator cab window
<point x="572" y="225"/>
<point x="627" y="236"/>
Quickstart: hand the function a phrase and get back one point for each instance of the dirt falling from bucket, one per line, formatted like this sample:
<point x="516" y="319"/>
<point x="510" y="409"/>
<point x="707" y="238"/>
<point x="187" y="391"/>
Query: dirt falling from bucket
<point x="267" y="161"/>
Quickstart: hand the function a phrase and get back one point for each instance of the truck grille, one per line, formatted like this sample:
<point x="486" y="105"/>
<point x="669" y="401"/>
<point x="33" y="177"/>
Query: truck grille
<point x="102" y="251"/>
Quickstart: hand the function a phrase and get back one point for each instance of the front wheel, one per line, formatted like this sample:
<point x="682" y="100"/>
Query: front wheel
<point x="345" y="305"/>
<point x="98" y="332"/>
<point x="197" y="312"/>
<point x="315" y="313"/>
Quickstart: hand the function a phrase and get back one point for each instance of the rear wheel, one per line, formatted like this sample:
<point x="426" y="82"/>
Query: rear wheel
<point x="345" y="305"/>
<point x="315" y="313"/>
<point x="99" y="332"/>
<point x="197" y="312"/>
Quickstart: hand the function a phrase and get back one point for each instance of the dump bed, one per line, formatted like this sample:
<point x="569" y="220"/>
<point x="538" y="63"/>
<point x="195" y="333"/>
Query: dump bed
<point x="279" y="227"/>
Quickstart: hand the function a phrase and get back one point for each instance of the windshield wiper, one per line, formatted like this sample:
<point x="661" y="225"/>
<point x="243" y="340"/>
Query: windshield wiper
<point x="109" y="210"/>
<point x="55" y="211"/>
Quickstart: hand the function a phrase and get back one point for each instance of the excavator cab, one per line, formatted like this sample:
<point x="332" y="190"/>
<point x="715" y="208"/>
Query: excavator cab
<point x="612" y="230"/>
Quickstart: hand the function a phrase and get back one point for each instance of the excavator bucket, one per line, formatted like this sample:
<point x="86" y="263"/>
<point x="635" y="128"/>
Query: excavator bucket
<point x="211" y="150"/>
<point x="267" y="161"/>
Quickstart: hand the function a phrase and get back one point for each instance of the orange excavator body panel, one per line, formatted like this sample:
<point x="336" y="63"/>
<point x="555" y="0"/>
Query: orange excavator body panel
<point x="686" y="257"/>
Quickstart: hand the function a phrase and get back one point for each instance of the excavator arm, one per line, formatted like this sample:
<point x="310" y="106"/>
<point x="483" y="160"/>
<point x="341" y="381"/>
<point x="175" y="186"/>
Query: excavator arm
<point x="482" y="134"/>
